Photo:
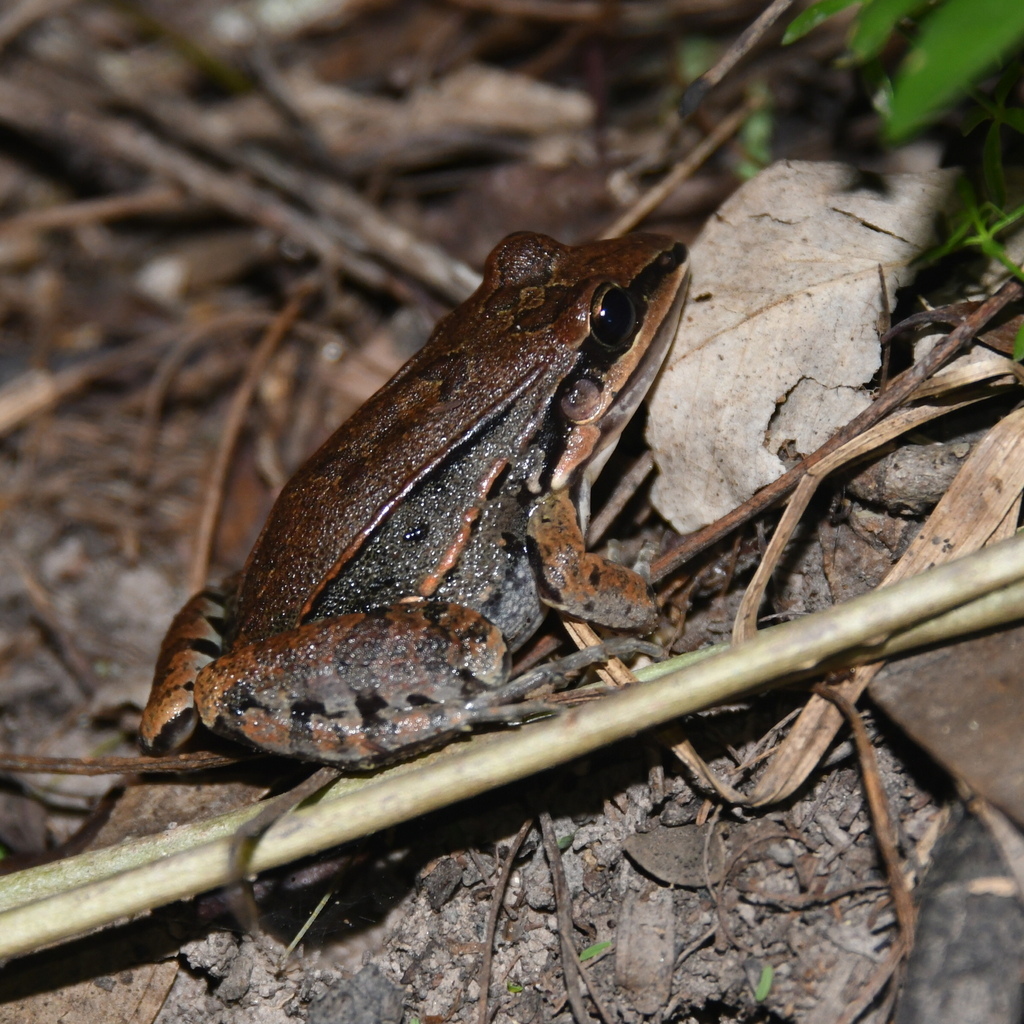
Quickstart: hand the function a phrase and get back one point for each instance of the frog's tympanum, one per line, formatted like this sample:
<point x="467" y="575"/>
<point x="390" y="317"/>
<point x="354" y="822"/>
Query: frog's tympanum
<point x="425" y="540"/>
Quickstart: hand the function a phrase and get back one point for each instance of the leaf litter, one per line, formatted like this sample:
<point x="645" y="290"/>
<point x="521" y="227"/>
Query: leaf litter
<point x="204" y="226"/>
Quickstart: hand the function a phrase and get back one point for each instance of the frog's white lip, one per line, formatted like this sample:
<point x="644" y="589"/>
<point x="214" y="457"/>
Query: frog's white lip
<point x="629" y="398"/>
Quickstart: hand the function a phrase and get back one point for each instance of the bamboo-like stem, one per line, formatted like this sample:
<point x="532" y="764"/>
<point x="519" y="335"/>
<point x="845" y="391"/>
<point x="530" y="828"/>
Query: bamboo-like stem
<point x="56" y="902"/>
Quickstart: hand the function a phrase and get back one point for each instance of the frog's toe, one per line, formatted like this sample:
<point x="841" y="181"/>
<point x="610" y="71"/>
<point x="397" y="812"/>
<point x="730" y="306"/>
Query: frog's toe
<point x="167" y="728"/>
<point x="479" y="713"/>
<point x="192" y="642"/>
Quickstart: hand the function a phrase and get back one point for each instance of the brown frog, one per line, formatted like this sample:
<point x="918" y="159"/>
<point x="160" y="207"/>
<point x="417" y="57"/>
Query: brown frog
<point x="427" y="537"/>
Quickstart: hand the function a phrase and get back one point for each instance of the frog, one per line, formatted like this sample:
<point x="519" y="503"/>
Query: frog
<point x="422" y="544"/>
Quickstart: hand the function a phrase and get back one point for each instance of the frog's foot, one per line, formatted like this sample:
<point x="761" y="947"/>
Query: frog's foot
<point x="553" y="675"/>
<point x="192" y="642"/>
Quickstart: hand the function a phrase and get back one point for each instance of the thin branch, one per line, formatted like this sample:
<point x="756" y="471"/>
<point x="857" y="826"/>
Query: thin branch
<point x="491" y="928"/>
<point x="656" y="195"/>
<point x="42" y="906"/>
<point x="884" y="831"/>
<point x="572" y="970"/>
<point x="229" y="437"/>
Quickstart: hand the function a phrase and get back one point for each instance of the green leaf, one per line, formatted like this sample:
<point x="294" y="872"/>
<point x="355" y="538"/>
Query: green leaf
<point x="1018" y="345"/>
<point x="810" y="19"/>
<point x="1000" y="254"/>
<point x="1007" y="220"/>
<point x="1014" y="117"/>
<point x="879" y="86"/>
<point x="764" y="985"/>
<point x="992" y="165"/>
<point x="514" y="988"/>
<point x="973" y="118"/>
<point x="876" y="24"/>
<point x="591" y="951"/>
<point x="1006" y="82"/>
<point x="960" y="41"/>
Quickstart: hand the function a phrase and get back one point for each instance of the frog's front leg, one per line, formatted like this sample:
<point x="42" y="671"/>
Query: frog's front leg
<point x="581" y="583"/>
<point x="363" y="689"/>
<point x="192" y="642"/>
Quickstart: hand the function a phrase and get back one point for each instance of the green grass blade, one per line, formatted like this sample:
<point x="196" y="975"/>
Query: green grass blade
<point x="960" y="41"/>
<point x="876" y="24"/>
<point x="807" y="21"/>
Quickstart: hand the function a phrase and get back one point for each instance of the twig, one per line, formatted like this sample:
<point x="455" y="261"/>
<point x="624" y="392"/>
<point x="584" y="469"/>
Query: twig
<point x="346" y="214"/>
<point x="81" y="671"/>
<point x="222" y="329"/>
<point x="571" y="11"/>
<point x="22" y="15"/>
<point x="801" y="900"/>
<point x="232" y="427"/>
<point x="572" y="970"/>
<point x="355" y="224"/>
<point x="625" y="488"/>
<point x="692" y="948"/>
<point x="31" y="111"/>
<point x="874" y="984"/>
<point x="135" y="876"/>
<point x="157" y="199"/>
<point x="168" y="765"/>
<point x="701" y="86"/>
<point x="564" y="915"/>
<point x="497" y="898"/>
<point x="242" y="899"/>
<point x="653" y="198"/>
<point x="1006" y="836"/>
<point x="37" y="391"/>
<point x="885" y="833"/>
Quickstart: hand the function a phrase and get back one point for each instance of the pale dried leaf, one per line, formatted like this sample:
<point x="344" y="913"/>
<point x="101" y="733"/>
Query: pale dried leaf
<point x="677" y="855"/>
<point x="474" y="98"/>
<point x="784" y="310"/>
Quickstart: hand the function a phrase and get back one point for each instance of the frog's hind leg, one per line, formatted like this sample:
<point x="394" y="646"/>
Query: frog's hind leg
<point x="192" y="642"/>
<point x="358" y="690"/>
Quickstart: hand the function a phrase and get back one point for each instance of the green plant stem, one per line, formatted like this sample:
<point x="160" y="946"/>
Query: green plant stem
<point x="63" y="900"/>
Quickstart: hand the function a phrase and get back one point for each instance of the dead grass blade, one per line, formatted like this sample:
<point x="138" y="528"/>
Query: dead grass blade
<point x="976" y="510"/>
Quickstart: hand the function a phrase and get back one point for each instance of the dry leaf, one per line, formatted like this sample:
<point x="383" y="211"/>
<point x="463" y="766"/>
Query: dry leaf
<point x="965" y="705"/>
<point x="780" y="335"/>
<point x="676" y="855"/>
<point x="474" y="98"/>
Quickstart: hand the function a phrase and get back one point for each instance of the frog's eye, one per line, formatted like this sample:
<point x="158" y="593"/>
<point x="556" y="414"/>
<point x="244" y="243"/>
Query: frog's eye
<point x="613" y="318"/>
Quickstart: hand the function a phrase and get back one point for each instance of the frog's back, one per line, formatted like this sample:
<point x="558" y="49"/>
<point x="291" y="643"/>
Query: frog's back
<point x="479" y="362"/>
<point x="346" y="493"/>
